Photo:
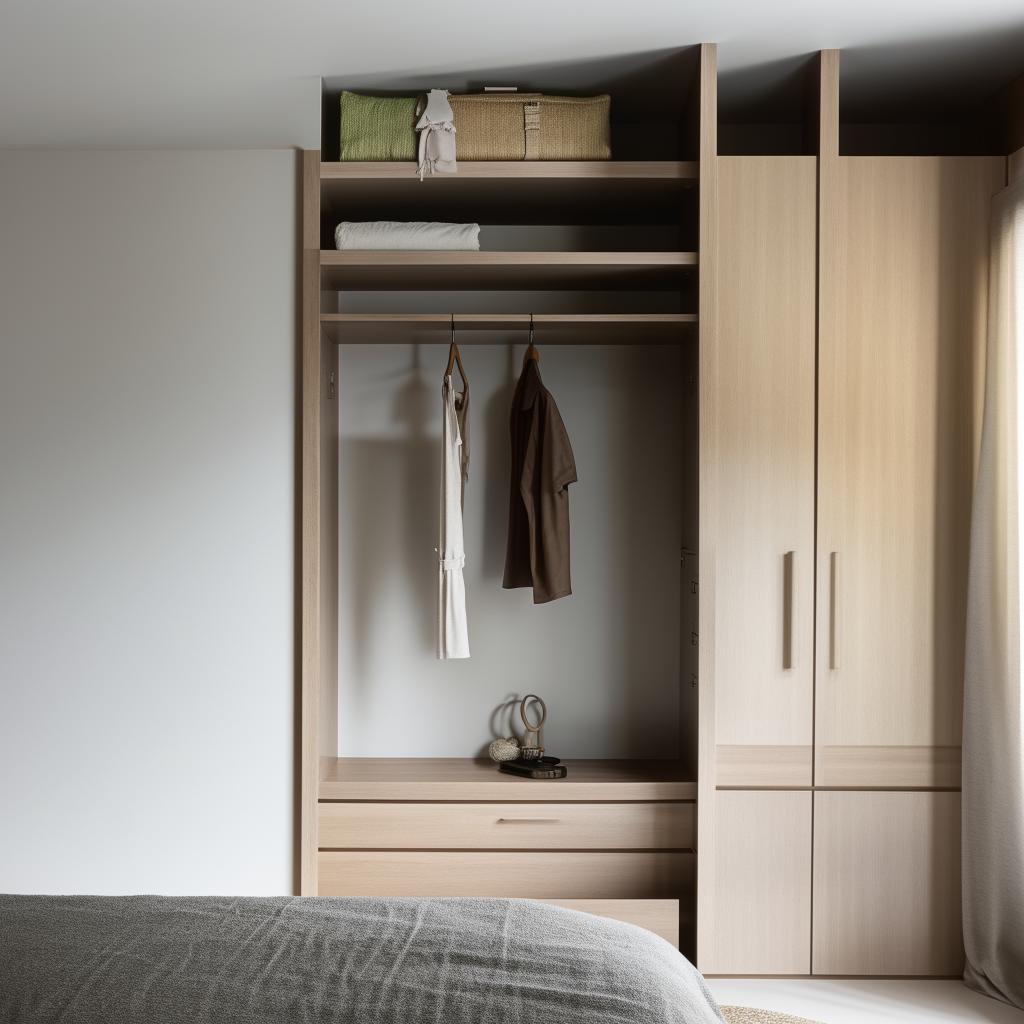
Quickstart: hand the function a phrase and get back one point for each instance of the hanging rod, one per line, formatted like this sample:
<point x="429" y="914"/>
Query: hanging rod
<point x="494" y="328"/>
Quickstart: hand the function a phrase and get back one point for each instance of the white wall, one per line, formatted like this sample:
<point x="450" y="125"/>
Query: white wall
<point x="606" y="659"/>
<point x="147" y="483"/>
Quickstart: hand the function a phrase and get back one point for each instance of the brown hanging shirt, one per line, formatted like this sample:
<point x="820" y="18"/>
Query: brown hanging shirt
<point x="543" y="466"/>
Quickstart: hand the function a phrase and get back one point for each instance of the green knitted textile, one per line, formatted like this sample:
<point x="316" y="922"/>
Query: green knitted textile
<point x="378" y="127"/>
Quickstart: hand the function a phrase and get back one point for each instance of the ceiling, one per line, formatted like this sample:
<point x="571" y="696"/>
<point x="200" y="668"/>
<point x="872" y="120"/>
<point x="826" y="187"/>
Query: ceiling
<point x="244" y="73"/>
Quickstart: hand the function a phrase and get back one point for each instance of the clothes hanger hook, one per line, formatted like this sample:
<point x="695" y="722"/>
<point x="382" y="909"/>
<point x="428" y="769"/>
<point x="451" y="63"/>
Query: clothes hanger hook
<point x="531" y="349"/>
<point x="454" y="359"/>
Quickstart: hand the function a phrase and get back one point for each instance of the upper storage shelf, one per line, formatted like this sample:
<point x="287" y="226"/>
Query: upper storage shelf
<point x="521" y="191"/>
<point x="411" y="270"/>
<point x="654" y="96"/>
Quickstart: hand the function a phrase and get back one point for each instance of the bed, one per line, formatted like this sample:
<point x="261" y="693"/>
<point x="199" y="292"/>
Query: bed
<point x="211" y="960"/>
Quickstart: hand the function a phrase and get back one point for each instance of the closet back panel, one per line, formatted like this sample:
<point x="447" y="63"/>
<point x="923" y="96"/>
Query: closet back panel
<point x="606" y="659"/>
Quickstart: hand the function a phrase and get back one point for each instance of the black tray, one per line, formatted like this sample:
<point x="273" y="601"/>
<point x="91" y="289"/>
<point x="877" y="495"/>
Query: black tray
<point x="536" y="768"/>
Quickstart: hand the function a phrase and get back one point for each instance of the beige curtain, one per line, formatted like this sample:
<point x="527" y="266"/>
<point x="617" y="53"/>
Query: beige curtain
<point x="993" y="773"/>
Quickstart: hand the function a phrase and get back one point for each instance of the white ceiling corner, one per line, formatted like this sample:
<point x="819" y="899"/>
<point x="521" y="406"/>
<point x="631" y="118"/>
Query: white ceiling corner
<point x="244" y="73"/>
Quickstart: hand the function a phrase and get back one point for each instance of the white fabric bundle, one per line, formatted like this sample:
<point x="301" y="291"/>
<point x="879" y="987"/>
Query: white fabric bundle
<point x="393" y="234"/>
<point x="437" y="135"/>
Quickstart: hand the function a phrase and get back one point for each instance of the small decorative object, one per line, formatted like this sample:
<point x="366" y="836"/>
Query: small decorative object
<point x="532" y="747"/>
<point x="506" y="749"/>
<point x="526" y="759"/>
<point x="537" y="768"/>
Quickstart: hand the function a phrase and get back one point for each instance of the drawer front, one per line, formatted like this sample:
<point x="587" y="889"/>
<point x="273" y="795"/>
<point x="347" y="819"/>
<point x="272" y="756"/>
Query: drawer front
<point x="658" y="916"/>
<point x="529" y="875"/>
<point x="494" y="826"/>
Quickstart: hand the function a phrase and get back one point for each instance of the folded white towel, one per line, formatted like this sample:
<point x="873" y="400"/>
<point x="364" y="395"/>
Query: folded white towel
<point x="437" y="135"/>
<point x="393" y="234"/>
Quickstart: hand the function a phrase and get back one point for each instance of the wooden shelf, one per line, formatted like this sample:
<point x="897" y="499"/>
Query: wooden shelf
<point x="522" y="170"/>
<point x="443" y="779"/>
<point x="412" y="270"/>
<point x="495" y="328"/>
<point x="517" y="191"/>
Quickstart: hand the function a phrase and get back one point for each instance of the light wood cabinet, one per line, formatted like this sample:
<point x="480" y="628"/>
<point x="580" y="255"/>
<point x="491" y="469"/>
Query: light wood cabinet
<point x="520" y="874"/>
<point x="764" y="577"/>
<point x="904" y="255"/>
<point x="887" y="883"/>
<point x="518" y="826"/>
<point x="833" y="311"/>
<point x="613" y="837"/>
<point x="762" y="879"/>
<point x="901" y="330"/>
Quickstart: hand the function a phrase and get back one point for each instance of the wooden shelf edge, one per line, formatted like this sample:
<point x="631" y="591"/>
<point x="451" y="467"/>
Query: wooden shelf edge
<point x="454" y="779"/>
<point x="683" y="171"/>
<point x="460" y="270"/>
<point x="335" y="258"/>
<point x="481" y="321"/>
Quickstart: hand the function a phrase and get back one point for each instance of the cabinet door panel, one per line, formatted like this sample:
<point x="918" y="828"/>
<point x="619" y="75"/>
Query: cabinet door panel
<point x="904" y="255"/>
<point x="761" y="873"/>
<point x="887" y="883"/>
<point x="764" y="572"/>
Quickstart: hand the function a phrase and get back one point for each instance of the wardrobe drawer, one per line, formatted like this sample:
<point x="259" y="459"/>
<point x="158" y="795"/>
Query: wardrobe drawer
<point x="501" y="826"/>
<point x="528" y="875"/>
<point x="658" y="916"/>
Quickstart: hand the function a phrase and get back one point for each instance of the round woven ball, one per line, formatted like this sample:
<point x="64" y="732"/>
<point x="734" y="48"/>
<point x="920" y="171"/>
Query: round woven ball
<point x="504" y="750"/>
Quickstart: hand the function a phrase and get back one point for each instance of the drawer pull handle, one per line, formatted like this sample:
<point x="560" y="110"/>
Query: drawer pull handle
<point x="527" y="821"/>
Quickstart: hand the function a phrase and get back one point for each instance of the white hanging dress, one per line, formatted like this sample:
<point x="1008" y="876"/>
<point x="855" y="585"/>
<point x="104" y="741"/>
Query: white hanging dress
<point x="452" y="627"/>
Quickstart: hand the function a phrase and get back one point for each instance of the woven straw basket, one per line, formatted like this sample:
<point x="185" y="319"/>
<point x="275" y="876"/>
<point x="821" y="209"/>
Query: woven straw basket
<point x="529" y="126"/>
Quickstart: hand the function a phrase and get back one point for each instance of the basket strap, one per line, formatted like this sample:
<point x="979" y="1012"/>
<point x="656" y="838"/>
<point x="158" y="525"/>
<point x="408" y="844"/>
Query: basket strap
<point x="531" y="124"/>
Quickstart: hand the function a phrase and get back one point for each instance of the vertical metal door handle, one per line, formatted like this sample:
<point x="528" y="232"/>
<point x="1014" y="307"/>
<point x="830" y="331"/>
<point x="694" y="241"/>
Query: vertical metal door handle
<point x="788" y="612"/>
<point x="833" y="611"/>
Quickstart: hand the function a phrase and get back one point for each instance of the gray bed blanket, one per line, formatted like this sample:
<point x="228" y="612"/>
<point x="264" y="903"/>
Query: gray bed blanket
<point x="208" y="960"/>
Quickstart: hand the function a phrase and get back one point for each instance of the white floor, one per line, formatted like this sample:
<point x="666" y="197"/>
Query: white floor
<point x="861" y="1002"/>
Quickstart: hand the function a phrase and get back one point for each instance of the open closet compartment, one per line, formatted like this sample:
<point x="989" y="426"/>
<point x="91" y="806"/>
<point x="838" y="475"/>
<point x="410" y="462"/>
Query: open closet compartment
<point x="652" y="103"/>
<point x="770" y="111"/>
<point x="603" y="256"/>
<point x="619" y="224"/>
<point x="917" y="122"/>
<point x="775" y="111"/>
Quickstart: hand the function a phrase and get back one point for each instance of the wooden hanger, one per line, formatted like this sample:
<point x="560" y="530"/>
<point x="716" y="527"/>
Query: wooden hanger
<point x="531" y="349"/>
<point x="454" y="358"/>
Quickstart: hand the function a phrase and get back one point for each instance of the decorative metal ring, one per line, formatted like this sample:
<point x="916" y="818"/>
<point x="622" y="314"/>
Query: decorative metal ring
<point x="543" y="712"/>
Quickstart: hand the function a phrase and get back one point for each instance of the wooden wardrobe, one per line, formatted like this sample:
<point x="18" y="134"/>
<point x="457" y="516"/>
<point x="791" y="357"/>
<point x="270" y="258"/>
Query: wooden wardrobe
<point x="828" y="301"/>
<point x="851" y="333"/>
<point x="617" y="836"/>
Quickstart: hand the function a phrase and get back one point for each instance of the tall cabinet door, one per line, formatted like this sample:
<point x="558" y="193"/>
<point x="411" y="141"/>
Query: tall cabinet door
<point x="902" y="291"/>
<point x="764" y="580"/>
